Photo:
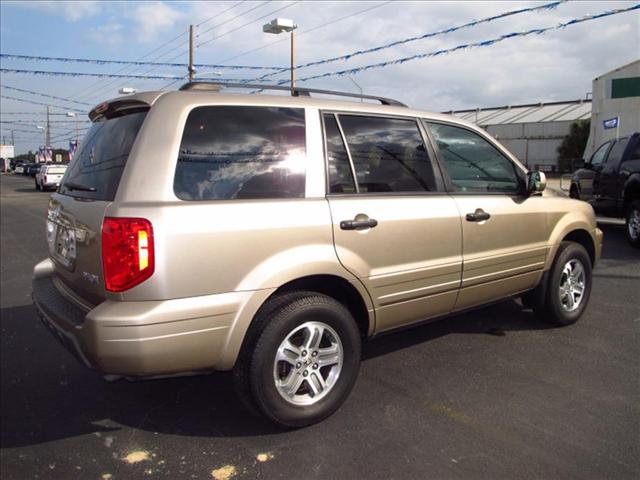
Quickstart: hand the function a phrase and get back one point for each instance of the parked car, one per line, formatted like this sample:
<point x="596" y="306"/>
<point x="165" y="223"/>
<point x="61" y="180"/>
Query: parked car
<point x="32" y="168"/>
<point x="610" y="182"/>
<point x="276" y="233"/>
<point x="49" y="176"/>
<point x="20" y="167"/>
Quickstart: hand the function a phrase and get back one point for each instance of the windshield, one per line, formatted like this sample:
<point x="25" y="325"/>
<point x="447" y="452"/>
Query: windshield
<point x="96" y="169"/>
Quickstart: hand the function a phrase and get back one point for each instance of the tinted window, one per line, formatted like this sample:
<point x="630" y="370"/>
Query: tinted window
<point x="388" y="154"/>
<point x="635" y="155"/>
<point x="340" y="176"/>
<point x="615" y="155"/>
<point x="473" y="164"/>
<point x="102" y="156"/>
<point x="242" y="152"/>
<point x="598" y="157"/>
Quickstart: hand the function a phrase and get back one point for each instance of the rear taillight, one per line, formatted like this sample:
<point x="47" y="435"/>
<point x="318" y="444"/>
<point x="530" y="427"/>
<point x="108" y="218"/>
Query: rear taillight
<point x="127" y="252"/>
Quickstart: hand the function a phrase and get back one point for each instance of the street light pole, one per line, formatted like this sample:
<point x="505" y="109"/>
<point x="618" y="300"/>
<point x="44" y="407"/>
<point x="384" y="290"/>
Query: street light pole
<point x="75" y="118"/>
<point x="279" y="25"/>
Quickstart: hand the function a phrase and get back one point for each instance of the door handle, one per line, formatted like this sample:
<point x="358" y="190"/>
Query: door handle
<point x="357" y="224"/>
<point x="478" y="216"/>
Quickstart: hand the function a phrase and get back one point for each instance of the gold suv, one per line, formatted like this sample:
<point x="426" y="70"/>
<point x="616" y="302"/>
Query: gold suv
<point x="200" y="230"/>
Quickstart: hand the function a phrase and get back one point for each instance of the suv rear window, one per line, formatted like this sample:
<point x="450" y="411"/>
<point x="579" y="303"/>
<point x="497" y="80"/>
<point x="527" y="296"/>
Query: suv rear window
<point x="96" y="169"/>
<point x="236" y="152"/>
<point x="55" y="170"/>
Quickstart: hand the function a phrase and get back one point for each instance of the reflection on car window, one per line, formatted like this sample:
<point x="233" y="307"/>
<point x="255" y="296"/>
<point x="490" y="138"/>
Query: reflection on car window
<point x="598" y="157"/>
<point x="102" y="156"/>
<point x="617" y="151"/>
<point x="388" y="154"/>
<point x="235" y="152"/>
<point x="473" y="164"/>
<point x="340" y="176"/>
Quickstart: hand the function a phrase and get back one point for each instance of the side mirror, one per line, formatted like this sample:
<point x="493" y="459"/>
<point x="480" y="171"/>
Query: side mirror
<point x="536" y="182"/>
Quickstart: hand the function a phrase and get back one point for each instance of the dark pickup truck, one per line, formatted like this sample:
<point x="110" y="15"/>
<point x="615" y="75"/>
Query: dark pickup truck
<point x="610" y="182"/>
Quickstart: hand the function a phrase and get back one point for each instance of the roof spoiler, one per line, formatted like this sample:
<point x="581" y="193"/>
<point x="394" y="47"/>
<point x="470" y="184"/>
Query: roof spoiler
<point x="107" y="109"/>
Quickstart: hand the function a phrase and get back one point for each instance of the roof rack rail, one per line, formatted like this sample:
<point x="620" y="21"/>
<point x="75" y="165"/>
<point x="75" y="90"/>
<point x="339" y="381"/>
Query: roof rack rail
<point x="297" y="91"/>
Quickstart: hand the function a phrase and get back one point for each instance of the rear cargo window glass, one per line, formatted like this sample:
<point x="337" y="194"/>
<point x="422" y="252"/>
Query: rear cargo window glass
<point x="56" y="170"/>
<point x="96" y="169"/>
<point x="235" y="152"/>
<point x="388" y="154"/>
<point x="340" y="176"/>
<point x="473" y="164"/>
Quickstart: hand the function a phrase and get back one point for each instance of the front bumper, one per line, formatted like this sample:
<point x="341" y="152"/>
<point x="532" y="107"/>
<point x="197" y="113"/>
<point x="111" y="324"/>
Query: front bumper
<point x="139" y="339"/>
<point x="599" y="238"/>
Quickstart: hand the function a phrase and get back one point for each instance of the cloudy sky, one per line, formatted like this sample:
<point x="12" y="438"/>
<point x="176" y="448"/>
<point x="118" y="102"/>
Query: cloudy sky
<point x="558" y="65"/>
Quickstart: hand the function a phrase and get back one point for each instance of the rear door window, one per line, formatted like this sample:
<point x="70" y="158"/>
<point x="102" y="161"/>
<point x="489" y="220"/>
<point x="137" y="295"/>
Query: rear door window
<point x="388" y="154"/>
<point x="615" y="155"/>
<point x="340" y="175"/>
<point x="96" y="169"/>
<point x="239" y="152"/>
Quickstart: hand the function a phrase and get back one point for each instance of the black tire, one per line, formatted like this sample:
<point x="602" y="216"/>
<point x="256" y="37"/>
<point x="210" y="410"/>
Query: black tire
<point x="634" y="209"/>
<point x="254" y="371"/>
<point x="545" y="300"/>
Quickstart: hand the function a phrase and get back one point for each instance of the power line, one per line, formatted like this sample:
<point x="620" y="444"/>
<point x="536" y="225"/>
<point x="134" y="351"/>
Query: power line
<point x="43" y="95"/>
<point x="231" y="19"/>
<point x="309" y="30"/>
<point x="109" y="83"/>
<point x="248" y="23"/>
<point x="349" y="56"/>
<point x="29" y="113"/>
<point x="99" y="61"/>
<point x="484" y="43"/>
<point x="39" y="103"/>
<point x="106" y="75"/>
<point x="220" y="13"/>
<point x="32" y="122"/>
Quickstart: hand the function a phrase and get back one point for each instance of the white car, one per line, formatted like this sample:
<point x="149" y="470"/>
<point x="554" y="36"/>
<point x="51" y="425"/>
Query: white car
<point x="49" y="176"/>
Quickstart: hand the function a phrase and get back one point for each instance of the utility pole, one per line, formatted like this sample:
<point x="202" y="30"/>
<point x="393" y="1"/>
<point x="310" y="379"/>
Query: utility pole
<point x="13" y="141"/>
<point x="293" y="64"/>
<point x="47" y="138"/>
<point x="191" y="69"/>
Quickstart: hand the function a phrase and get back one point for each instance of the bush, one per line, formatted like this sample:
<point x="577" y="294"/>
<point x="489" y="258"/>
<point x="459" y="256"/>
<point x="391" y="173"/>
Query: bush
<point x="573" y="145"/>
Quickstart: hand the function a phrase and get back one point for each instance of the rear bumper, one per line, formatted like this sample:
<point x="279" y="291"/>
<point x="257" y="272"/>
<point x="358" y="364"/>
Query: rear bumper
<point x="141" y="339"/>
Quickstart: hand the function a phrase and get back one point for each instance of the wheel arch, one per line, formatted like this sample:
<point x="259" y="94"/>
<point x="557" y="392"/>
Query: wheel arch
<point x="631" y="190"/>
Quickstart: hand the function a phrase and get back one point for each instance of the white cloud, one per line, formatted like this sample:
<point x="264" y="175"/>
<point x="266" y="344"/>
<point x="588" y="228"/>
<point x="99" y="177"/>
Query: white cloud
<point x="153" y="19"/>
<point x="71" y="10"/>
<point x="110" y="33"/>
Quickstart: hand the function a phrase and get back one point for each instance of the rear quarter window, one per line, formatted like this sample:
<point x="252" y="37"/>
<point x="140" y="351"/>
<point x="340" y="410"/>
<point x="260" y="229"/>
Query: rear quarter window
<point x="238" y="152"/>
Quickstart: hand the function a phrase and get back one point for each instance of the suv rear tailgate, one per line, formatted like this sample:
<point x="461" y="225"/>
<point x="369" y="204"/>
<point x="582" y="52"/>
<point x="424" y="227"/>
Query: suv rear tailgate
<point x="77" y="210"/>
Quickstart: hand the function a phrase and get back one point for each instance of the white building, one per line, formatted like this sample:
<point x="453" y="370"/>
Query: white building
<point x="532" y="132"/>
<point x="616" y="94"/>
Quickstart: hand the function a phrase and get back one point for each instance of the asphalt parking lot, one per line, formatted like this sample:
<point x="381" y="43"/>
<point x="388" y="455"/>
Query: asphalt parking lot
<point x="491" y="394"/>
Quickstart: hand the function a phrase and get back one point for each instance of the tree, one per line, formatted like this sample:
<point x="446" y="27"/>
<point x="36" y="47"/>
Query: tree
<point x="572" y="147"/>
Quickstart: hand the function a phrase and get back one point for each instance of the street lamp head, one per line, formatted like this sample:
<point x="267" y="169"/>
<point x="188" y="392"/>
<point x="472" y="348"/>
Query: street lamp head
<point x="39" y="127"/>
<point x="127" y="90"/>
<point x="71" y="114"/>
<point x="279" y="25"/>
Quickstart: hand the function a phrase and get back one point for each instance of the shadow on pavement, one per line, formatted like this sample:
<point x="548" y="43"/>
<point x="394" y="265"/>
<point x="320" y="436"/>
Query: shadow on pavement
<point x="46" y="395"/>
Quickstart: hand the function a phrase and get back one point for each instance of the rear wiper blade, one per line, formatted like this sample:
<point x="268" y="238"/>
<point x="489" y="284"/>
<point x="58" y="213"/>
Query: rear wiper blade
<point x="77" y="186"/>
